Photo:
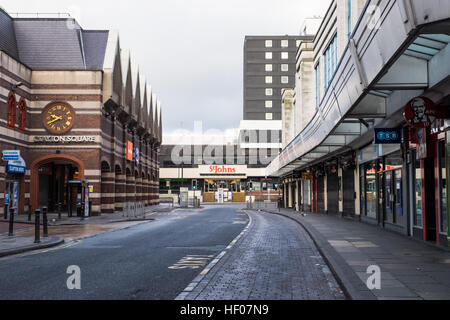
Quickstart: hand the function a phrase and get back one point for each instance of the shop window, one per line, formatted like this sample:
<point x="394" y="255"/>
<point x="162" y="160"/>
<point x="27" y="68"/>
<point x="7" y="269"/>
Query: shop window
<point x="22" y="119"/>
<point x="443" y="188"/>
<point x="418" y="195"/>
<point x="11" y="110"/>
<point x="371" y="191"/>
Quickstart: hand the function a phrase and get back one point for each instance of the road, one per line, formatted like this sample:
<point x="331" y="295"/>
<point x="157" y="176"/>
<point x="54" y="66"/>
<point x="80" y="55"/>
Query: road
<point x="157" y="260"/>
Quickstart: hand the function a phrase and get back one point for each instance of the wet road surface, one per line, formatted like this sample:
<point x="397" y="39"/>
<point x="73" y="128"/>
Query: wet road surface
<point x="152" y="260"/>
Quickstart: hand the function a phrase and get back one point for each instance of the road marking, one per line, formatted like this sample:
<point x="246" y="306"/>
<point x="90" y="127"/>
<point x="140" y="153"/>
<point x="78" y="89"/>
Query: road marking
<point x="191" y="262"/>
<point x="193" y="284"/>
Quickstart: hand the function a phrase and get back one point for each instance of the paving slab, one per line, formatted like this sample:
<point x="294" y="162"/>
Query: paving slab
<point x="410" y="269"/>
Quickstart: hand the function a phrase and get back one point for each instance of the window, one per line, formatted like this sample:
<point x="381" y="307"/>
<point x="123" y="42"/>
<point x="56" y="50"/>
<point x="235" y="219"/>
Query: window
<point x="284" y="80"/>
<point x="11" y="110"/>
<point x="22" y="115"/>
<point x="285" y="55"/>
<point x="284" y="43"/>
<point x="269" y="116"/>
<point x="268" y="55"/>
<point x="269" y="92"/>
<point x="269" y="67"/>
<point x="268" y="43"/>
<point x="269" y="104"/>
<point x="269" y="79"/>
<point x="349" y="19"/>
<point x="317" y="71"/>
<point x="330" y="60"/>
<point x="443" y="187"/>
<point x="285" y="67"/>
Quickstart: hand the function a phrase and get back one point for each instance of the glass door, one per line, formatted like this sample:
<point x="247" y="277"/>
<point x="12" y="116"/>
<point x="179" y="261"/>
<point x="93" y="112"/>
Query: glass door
<point x="389" y="197"/>
<point x="398" y="197"/>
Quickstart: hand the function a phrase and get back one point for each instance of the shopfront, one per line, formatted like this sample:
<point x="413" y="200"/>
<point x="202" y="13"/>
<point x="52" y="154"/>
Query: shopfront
<point x="332" y="189"/>
<point x="427" y="167"/>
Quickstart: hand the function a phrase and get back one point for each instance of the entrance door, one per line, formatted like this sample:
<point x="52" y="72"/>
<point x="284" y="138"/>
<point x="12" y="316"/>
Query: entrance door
<point x="389" y="197"/>
<point x="53" y="185"/>
<point x="398" y="197"/>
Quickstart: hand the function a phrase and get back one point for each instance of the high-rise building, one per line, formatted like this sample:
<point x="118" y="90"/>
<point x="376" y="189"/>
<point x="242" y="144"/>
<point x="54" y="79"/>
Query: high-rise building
<point x="269" y="67"/>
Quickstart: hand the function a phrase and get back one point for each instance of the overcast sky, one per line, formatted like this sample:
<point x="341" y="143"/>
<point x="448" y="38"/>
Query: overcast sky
<point x="191" y="51"/>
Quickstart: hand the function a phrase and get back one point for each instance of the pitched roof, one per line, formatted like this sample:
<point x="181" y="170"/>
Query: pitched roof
<point x="94" y="43"/>
<point x="49" y="44"/>
<point x="8" y="42"/>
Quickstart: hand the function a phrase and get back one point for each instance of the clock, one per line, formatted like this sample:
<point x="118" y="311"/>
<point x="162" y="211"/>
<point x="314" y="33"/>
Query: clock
<point x="58" y="117"/>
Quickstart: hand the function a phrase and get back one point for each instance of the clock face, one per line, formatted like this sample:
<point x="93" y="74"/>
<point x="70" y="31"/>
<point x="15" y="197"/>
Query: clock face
<point x="59" y="118"/>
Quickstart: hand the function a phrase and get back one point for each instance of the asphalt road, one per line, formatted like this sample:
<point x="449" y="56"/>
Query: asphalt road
<point x="152" y="261"/>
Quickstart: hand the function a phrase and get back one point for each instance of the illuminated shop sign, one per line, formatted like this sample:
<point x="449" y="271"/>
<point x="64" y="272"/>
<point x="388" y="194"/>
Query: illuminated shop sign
<point x="221" y="169"/>
<point x="388" y="136"/>
<point x="64" y="139"/>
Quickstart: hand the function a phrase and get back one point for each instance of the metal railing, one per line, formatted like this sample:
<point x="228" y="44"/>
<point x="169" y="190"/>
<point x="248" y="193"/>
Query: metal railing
<point x="268" y="205"/>
<point x="40" y="15"/>
<point x="134" y="209"/>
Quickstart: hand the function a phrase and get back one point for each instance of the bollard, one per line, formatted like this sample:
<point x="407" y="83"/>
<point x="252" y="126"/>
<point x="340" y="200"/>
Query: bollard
<point x="11" y="222"/>
<point x="6" y="212"/>
<point x="59" y="210"/>
<point x="37" y="226"/>
<point x="82" y="210"/>
<point x="78" y="209"/>
<point x="29" y="213"/>
<point x="45" y="221"/>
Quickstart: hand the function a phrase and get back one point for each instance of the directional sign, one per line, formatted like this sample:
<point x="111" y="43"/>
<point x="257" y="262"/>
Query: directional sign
<point x="11" y="155"/>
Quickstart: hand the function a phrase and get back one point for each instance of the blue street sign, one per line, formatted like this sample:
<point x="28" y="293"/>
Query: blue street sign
<point x="388" y="136"/>
<point x="11" y="155"/>
<point x="15" y="169"/>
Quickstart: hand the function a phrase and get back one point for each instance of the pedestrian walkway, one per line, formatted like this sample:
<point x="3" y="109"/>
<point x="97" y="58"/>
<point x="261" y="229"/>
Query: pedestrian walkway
<point x="54" y="220"/>
<point x="275" y="260"/>
<point x="20" y="244"/>
<point x="67" y="229"/>
<point x="410" y="269"/>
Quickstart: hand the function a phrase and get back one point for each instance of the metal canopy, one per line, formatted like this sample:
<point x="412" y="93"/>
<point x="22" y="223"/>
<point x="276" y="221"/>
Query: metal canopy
<point x="364" y="80"/>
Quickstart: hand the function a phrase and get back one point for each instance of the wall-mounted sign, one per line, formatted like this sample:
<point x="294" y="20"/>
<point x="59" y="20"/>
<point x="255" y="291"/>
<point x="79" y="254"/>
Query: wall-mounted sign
<point x="58" y="117"/>
<point x="388" y="136"/>
<point x="15" y="163"/>
<point x="129" y="155"/>
<point x="421" y="112"/>
<point x="222" y="170"/>
<point x="64" y="139"/>
<point x="11" y="155"/>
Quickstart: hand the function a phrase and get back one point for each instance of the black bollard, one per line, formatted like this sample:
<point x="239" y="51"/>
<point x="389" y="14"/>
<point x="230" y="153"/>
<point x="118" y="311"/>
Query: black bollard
<point x="11" y="222"/>
<point x="37" y="226"/>
<point x="29" y="213"/>
<point x="45" y="221"/>
<point x="59" y="210"/>
<point x="82" y="210"/>
<point x="78" y="209"/>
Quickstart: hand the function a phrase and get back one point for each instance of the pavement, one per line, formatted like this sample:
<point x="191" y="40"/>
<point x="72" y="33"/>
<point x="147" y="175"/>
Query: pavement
<point x="274" y="259"/>
<point x="410" y="269"/>
<point x="68" y="229"/>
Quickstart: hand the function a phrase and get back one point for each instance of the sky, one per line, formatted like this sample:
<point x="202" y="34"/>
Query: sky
<point x="191" y="51"/>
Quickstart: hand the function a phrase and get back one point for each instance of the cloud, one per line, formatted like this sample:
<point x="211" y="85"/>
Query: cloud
<point x="190" y="50"/>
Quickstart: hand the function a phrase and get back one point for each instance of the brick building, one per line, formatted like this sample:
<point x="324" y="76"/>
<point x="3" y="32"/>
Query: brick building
<point x="77" y="108"/>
